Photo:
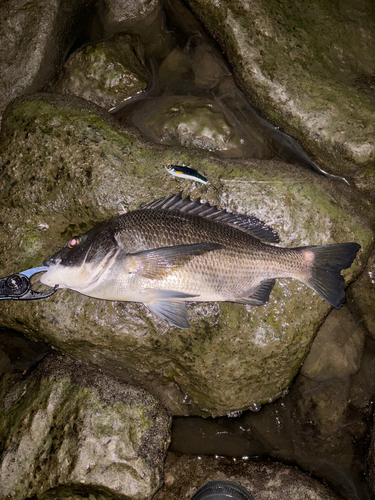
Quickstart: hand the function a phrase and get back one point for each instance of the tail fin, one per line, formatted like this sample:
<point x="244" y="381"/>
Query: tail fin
<point x="327" y="261"/>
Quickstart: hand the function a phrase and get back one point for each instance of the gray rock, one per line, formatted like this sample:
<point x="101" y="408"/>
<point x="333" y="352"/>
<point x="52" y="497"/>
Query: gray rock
<point x="337" y="349"/>
<point x="265" y="480"/>
<point x="318" y="425"/>
<point x="144" y="18"/>
<point x="192" y="122"/>
<point x="124" y="15"/>
<point x="66" y="423"/>
<point x="105" y="73"/>
<point x="363" y="382"/>
<point x="317" y="428"/>
<point x="34" y="37"/>
<point x="362" y="297"/>
<point x="66" y="167"/>
<point x="309" y="70"/>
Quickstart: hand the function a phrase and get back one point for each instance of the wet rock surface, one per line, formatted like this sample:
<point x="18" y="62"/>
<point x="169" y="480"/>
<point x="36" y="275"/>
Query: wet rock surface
<point x="65" y="424"/>
<point x="34" y="37"/>
<point x="319" y="86"/>
<point x="105" y="73"/>
<point x="362" y="297"/>
<point x="48" y="199"/>
<point x="193" y="122"/>
<point x="337" y="349"/>
<point x="321" y="424"/>
<point x="264" y="480"/>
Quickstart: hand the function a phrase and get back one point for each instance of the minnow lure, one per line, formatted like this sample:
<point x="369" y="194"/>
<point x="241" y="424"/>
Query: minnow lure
<point x="186" y="173"/>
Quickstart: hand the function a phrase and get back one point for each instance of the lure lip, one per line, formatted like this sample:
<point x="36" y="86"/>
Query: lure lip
<point x="17" y="286"/>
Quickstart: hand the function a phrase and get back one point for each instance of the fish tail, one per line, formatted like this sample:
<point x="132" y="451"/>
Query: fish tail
<point x="325" y="264"/>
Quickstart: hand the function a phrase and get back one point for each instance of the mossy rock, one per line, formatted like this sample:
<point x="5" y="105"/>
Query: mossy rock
<point x="66" y="167"/>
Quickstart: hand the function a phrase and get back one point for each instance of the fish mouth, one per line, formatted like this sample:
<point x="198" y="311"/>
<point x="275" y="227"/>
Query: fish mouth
<point x="48" y="263"/>
<point x="80" y="278"/>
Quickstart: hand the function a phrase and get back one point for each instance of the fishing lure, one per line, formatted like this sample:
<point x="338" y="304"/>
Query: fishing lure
<point x="186" y="173"/>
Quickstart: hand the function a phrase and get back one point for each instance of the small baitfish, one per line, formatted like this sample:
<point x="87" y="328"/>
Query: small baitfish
<point x="175" y="250"/>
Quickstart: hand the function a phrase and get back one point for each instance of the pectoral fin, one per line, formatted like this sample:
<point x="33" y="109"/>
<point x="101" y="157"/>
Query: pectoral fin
<point x="169" y="305"/>
<point x="158" y="263"/>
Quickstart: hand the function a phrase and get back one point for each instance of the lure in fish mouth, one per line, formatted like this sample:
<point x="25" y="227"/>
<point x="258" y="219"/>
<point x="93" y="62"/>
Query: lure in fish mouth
<point x="175" y="250"/>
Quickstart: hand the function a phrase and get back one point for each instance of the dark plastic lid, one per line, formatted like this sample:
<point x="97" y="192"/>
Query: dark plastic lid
<point x="222" y="490"/>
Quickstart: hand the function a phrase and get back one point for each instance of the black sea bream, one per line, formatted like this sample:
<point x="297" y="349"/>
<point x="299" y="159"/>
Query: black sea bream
<point x="175" y="250"/>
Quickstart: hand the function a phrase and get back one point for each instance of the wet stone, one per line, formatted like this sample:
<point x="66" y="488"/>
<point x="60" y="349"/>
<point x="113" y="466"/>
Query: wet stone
<point x="309" y="70"/>
<point x="263" y="479"/>
<point x="362" y="297"/>
<point x="65" y="423"/>
<point x="337" y="349"/>
<point x="191" y="122"/>
<point x="34" y="38"/>
<point x="144" y="18"/>
<point x="67" y="168"/>
<point x="105" y="73"/>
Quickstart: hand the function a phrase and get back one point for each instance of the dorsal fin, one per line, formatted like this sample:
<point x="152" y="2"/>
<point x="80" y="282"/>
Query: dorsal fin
<point x="246" y="223"/>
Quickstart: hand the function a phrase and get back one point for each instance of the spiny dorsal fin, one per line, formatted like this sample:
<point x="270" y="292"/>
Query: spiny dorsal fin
<point x="246" y="223"/>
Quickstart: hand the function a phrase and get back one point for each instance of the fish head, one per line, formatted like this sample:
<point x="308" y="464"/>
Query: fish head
<point x="81" y="262"/>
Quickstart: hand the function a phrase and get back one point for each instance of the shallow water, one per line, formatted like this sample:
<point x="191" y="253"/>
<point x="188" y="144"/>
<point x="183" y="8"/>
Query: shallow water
<point x="295" y="431"/>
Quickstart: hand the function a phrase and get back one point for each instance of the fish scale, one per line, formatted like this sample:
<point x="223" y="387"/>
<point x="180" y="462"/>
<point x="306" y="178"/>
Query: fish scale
<point x="175" y="250"/>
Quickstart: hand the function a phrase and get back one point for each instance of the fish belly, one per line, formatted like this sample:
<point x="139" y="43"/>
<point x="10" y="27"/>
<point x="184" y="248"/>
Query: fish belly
<point x="216" y="276"/>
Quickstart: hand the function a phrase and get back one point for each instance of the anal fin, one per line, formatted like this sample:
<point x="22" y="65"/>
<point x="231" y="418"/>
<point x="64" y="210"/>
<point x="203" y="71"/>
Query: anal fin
<point x="259" y="295"/>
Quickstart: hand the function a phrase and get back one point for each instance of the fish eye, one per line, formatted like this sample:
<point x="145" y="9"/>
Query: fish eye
<point x="74" y="242"/>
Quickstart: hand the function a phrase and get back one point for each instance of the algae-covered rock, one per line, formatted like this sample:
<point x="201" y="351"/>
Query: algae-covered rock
<point x="265" y="480"/>
<point x="191" y="122"/>
<point x="105" y="73"/>
<point x="66" y="168"/>
<point x="68" y="424"/>
<point x="309" y="69"/>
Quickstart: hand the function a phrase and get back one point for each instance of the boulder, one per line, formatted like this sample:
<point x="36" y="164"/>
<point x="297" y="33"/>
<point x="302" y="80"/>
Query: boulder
<point x="66" y="424"/>
<point x="337" y="349"/>
<point x="105" y="73"/>
<point x="309" y="70"/>
<point x="34" y="37"/>
<point x="265" y="480"/>
<point x="362" y="297"/>
<point x="67" y="167"/>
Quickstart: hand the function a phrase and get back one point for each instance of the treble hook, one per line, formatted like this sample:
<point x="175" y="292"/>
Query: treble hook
<point x="18" y="287"/>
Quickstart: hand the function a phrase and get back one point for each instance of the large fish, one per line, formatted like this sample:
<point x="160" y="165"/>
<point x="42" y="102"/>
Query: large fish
<point x="175" y="250"/>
